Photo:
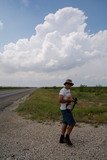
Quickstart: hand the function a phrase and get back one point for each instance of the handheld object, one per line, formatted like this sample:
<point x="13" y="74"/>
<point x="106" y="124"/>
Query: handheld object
<point x="75" y="102"/>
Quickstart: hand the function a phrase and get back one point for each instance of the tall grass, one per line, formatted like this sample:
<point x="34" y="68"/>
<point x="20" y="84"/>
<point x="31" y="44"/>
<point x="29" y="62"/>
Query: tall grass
<point x="43" y="105"/>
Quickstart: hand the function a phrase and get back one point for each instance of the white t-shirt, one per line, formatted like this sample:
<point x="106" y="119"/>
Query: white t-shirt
<point x="66" y="93"/>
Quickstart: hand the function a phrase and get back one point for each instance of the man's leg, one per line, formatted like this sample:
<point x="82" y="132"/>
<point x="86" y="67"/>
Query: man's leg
<point x="64" y="127"/>
<point x="69" y="130"/>
<point x="63" y="130"/>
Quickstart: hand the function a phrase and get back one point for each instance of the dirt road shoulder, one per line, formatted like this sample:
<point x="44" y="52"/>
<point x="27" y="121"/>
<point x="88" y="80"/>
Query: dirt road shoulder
<point x="28" y="140"/>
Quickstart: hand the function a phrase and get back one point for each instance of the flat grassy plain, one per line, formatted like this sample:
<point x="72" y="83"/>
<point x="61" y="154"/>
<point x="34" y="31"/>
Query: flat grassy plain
<point x="43" y="105"/>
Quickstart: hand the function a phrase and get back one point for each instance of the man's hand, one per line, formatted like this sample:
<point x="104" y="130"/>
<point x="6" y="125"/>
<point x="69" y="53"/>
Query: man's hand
<point x="75" y="100"/>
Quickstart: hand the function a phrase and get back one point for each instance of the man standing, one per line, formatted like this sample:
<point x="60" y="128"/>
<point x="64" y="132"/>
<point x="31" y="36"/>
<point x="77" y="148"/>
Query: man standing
<point x="65" y="99"/>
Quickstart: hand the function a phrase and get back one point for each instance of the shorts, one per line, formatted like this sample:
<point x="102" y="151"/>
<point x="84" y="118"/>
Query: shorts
<point x="68" y="117"/>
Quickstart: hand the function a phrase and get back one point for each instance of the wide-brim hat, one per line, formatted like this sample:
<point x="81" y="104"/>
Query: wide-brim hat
<point x="69" y="81"/>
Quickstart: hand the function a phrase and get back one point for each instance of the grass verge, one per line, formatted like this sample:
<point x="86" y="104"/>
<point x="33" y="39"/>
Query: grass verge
<point x="43" y="105"/>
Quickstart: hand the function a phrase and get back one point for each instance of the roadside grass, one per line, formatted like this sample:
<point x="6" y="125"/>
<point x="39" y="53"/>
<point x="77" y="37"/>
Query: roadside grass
<point x="43" y="105"/>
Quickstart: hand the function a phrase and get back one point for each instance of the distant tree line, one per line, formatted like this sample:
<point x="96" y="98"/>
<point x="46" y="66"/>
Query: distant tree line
<point x="98" y="89"/>
<point x="9" y="87"/>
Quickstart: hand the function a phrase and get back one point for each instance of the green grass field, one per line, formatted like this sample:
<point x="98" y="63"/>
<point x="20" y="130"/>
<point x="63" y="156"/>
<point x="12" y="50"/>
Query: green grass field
<point x="43" y="105"/>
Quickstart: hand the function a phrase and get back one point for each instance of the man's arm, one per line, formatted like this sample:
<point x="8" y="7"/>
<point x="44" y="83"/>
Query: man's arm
<point x="62" y="100"/>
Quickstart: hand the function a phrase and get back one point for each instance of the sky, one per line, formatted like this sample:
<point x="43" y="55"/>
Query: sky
<point x="43" y="42"/>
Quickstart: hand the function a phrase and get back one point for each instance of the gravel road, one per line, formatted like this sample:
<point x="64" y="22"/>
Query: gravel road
<point x="22" y="139"/>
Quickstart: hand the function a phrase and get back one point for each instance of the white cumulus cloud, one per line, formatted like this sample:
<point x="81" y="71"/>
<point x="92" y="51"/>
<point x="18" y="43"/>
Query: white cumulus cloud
<point x="60" y="43"/>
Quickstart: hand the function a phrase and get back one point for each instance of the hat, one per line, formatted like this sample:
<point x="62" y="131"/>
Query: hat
<point x="69" y="81"/>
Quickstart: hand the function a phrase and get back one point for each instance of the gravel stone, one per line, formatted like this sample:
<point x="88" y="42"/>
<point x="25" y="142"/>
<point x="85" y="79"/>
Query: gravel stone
<point x="22" y="139"/>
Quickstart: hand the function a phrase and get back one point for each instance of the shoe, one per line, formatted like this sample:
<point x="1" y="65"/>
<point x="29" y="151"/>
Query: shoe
<point x="68" y="141"/>
<point x="61" y="140"/>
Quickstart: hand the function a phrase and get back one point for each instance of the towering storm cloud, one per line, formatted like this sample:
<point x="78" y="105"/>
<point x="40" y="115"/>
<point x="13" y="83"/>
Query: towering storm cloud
<point x="60" y="48"/>
<point x="60" y="43"/>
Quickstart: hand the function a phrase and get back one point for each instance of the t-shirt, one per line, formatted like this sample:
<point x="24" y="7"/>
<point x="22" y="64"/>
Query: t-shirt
<point x="66" y="93"/>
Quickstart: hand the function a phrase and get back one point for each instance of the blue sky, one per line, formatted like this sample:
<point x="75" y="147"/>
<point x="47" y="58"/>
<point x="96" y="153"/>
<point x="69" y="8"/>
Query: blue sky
<point x="19" y="17"/>
<point x="43" y="39"/>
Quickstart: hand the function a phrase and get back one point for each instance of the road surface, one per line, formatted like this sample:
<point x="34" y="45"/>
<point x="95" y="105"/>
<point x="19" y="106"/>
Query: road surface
<point x="9" y="96"/>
